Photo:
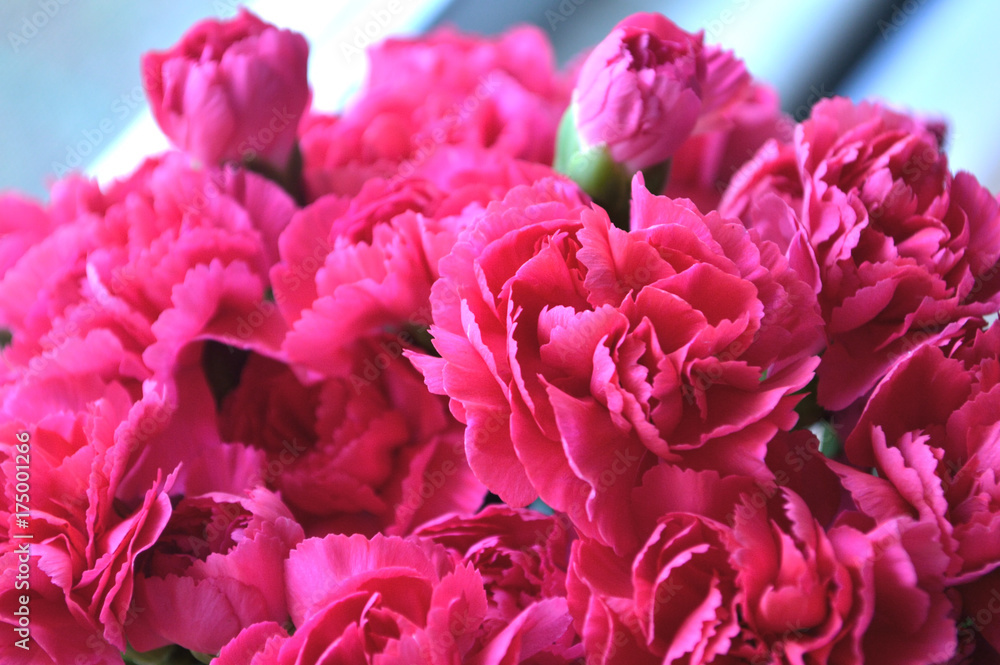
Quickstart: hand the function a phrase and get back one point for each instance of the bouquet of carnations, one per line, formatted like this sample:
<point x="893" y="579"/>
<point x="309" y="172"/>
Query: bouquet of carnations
<point x="502" y="364"/>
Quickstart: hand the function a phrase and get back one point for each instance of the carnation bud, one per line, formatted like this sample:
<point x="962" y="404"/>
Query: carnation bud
<point x="231" y="91"/>
<point x="637" y="99"/>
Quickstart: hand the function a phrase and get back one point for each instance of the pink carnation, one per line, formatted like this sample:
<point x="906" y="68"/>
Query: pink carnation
<point x="522" y="556"/>
<point x="899" y="250"/>
<point x="930" y="432"/>
<point x="738" y="116"/>
<point x="426" y="94"/>
<point x="43" y="272"/>
<point x="356" y="267"/>
<point x="23" y="223"/>
<point x="579" y="354"/>
<point x="169" y="422"/>
<point x="770" y="586"/>
<point x="154" y="284"/>
<point x="217" y="568"/>
<point x="676" y="602"/>
<point x="843" y="595"/>
<point x="369" y="452"/>
<point x="85" y="542"/>
<point x="118" y="260"/>
<point x="639" y="92"/>
<point x="230" y="90"/>
<point x="389" y="600"/>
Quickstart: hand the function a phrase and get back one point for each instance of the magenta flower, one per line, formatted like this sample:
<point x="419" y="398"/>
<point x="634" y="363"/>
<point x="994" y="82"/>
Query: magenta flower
<point x="639" y="90"/>
<point x="231" y="90"/>
<point x="217" y="568"/>
<point x="369" y="452"/>
<point x="899" y="251"/>
<point x="768" y="584"/>
<point x="579" y="354"/>
<point x="522" y="556"/>
<point x="738" y="116"/>
<point x="354" y="268"/>
<point x="930" y="432"/>
<point x="160" y="258"/>
<point x="391" y="601"/>
<point x="85" y="540"/>
<point x="501" y="97"/>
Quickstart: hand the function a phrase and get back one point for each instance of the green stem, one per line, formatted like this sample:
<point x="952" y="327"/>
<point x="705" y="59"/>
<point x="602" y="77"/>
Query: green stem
<point x="609" y="183"/>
